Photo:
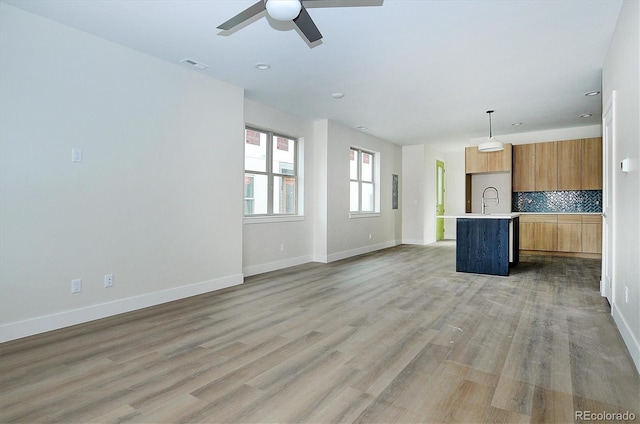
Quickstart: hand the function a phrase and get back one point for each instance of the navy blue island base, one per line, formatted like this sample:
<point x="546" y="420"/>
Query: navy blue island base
<point x="483" y="246"/>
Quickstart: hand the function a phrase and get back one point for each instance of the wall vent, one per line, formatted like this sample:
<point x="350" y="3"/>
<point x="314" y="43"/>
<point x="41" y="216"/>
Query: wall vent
<point x="194" y="63"/>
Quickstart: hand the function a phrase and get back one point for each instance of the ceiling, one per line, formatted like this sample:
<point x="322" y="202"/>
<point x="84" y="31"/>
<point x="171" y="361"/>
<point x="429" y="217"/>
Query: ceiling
<point x="412" y="71"/>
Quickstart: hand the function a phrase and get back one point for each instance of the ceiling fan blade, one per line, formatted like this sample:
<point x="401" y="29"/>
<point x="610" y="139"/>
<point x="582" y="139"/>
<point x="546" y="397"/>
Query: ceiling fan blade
<point x="306" y="25"/>
<point x="246" y="14"/>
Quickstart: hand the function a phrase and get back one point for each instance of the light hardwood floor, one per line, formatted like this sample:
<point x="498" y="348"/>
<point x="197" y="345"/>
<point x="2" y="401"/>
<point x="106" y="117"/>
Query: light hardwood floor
<point x="393" y="336"/>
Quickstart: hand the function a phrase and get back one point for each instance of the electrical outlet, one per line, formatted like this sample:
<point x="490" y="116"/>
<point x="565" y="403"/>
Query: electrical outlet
<point x="369" y="236"/>
<point x="76" y="286"/>
<point x="108" y="280"/>
<point x="282" y="247"/>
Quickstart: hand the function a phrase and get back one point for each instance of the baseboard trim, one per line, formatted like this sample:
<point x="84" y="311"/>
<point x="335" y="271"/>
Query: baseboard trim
<point x="413" y="241"/>
<point x="361" y="250"/>
<point x="43" y="324"/>
<point x="627" y="335"/>
<point x="274" y="266"/>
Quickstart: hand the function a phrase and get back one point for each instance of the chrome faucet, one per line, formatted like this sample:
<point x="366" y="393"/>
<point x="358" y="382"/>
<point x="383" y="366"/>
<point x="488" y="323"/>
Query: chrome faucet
<point x="485" y="199"/>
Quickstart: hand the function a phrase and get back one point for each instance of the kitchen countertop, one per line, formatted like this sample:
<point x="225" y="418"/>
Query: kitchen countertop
<point x="511" y="215"/>
<point x="560" y="213"/>
<point x="480" y="216"/>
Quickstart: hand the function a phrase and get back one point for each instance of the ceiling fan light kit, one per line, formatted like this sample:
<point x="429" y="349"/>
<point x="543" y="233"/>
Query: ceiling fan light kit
<point x="492" y="144"/>
<point x="283" y="10"/>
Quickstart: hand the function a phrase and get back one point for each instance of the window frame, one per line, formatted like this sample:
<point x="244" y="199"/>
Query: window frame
<point x="271" y="137"/>
<point x="374" y="182"/>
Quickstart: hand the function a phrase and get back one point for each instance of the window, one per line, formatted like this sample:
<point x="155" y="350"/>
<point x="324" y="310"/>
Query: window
<point x="362" y="181"/>
<point x="270" y="174"/>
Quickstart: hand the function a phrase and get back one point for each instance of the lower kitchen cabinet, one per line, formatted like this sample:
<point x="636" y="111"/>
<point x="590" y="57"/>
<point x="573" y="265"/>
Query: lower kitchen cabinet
<point x="539" y="232"/>
<point x="567" y="233"/>
<point x="526" y="235"/>
<point x="545" y="236"/>
<point x="591" y="234"/>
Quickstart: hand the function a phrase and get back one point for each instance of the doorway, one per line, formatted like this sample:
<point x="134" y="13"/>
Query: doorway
<point x="439" y="200"/>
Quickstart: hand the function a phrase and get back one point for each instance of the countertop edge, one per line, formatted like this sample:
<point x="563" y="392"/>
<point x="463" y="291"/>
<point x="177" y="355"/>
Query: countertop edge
<point x="480" y="216"/>
<point x="511" y="215"/>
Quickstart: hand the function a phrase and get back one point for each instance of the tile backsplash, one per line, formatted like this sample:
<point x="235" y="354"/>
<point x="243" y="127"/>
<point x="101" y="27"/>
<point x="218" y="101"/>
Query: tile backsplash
<point x="557" y="201"/>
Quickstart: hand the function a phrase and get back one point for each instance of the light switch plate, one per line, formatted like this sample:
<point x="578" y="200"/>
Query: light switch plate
<point x="76" y="155"/>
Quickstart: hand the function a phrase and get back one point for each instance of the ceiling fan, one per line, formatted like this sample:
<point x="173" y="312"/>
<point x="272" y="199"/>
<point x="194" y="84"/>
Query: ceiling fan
<point x="281" y="10"/>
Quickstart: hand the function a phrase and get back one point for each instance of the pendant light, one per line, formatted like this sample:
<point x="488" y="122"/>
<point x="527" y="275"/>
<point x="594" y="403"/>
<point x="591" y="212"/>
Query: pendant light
<point x="283" y="10"/>
<point x="492" y="144"/>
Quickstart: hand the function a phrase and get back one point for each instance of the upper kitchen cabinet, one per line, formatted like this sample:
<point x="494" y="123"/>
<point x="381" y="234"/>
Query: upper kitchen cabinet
<point x="580" y="164"/>
<point x="592" y="164"/>
<point x="559" y="165"/>
<point x="478" y="162"/>
<point x="475" y="162"/>
<point x="570" y="165"/>
<point x="524" y="170"/>
<point x="546" y="166"/>
<point x="500" y="161"/>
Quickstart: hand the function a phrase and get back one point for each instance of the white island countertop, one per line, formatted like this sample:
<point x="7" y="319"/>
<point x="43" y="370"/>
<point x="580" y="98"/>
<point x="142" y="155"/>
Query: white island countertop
<point x="480" y="216"/>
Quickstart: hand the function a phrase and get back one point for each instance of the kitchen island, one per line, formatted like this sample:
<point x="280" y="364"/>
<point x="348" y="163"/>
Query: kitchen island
<point x="486" y="244"/>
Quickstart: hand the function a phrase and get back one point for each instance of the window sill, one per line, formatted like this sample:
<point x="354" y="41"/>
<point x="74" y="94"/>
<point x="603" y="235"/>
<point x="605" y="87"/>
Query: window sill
<point x="272" y="218"/>
<point x="357" y="215"/>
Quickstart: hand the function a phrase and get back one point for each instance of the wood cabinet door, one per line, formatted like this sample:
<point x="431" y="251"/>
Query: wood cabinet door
<point x="592" y="164"/>
<point x="569" y="233"/>
<point x="570" y="164"/>
<point x="526" y="236"/>
<point x="499" y="161"/>
<point x="591" y="234"/>
<point x="475" y="162"/>
<point x="546" y="164"/>
<point x="545" y="236"/>
<point x="524" y="171"/>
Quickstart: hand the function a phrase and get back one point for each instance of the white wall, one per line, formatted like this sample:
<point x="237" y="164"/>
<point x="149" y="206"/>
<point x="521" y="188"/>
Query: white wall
<point x="454" y="198"/>
<point x="326" y="232"/>
<point x="350" y="236"/>
<point x="419" y="194"/>
<point x="320" y="199"/>
<point x="620" y="73"/>
<point x="413" y="179"/>
<point x="157" y="199"/>
<point x="429" y="188"/>
<point x="501" y="181"/>
<point x="263" y="239"/>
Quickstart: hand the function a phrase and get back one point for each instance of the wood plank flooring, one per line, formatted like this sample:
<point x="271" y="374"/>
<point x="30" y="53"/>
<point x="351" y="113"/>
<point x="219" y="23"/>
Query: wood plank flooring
<point x="395" y="336"/>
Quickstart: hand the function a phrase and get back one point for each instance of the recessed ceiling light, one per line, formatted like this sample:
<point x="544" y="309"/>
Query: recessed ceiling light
<point x="263" y="66"/>
<point x="517" y="124"/>
<point x="592" y="93"/>
<point x="585" y="115"/>
<point x="337" y="95"/>
<point x="194" y="63"/>
<point x="361" y="127"/>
